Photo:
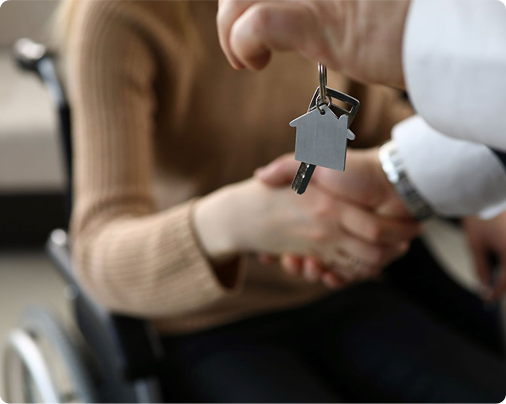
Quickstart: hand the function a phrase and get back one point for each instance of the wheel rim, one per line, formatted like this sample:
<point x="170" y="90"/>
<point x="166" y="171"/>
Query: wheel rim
<point x="35" y="375"/>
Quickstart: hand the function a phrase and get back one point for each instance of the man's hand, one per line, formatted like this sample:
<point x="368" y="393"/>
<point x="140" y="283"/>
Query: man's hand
<point x="363" y="183"/>
<point x="379" y="215"/>
<point x="486" y="238"/>
<point x="360" y="38"/>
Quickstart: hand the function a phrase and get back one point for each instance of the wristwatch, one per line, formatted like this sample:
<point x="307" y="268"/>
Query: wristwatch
<point x="395" y="170"/>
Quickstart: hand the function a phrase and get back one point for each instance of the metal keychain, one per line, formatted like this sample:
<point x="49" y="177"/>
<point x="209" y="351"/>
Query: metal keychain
<point x="323" y="132"/>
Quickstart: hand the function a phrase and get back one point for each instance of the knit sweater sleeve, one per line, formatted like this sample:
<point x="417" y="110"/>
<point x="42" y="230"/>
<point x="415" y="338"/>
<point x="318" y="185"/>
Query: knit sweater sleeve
<point x="130" y="257"/>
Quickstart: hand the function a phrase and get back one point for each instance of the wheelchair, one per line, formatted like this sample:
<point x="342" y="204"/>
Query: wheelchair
<point x="109" y="358"/>
<point x="118" y="359"/>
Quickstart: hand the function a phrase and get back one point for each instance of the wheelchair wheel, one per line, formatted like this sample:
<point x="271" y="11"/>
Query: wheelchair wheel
<point x="42" y="364"/>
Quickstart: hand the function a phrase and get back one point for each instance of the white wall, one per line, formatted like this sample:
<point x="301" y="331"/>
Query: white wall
<point x="30" y="158"/>
<point x="21" y="18"/>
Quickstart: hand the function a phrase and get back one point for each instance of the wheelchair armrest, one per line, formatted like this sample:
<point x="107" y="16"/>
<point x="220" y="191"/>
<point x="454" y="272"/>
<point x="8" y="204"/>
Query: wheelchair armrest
<point x="58" y="250"/>
<point x="35" y="58"/>
<point x="128" y="346"/>
<point x="28" y="54"/>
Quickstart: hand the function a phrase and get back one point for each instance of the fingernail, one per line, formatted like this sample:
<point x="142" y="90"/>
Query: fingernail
<point x="310" y="272"/>
<point x="290" y="266"/>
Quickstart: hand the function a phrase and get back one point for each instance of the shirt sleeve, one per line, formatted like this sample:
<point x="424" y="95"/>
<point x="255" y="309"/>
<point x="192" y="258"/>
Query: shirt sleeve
<point x="455" y="67"/>
<point x="131" y="257"/>
<point x="456" y="177"/>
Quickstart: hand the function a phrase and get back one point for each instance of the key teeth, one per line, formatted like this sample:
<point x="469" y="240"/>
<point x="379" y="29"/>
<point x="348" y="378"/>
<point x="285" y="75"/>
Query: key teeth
<point x="296" y="186"/>
<point x="302" y="178"/>
<point x="300" y="191"/>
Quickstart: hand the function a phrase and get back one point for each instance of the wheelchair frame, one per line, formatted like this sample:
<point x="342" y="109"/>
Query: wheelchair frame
<point x="127" y="351"/>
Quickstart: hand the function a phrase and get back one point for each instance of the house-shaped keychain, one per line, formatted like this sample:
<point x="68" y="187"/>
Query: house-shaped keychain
<point x="322" y="138"/>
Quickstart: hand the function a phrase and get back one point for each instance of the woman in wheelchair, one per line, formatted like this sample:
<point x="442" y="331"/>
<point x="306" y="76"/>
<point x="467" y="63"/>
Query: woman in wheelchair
<point x="168" y="223"/>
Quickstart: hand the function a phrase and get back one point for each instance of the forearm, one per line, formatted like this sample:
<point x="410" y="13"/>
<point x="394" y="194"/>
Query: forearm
<point x="213" y="219"/>
<point x="150" y="266"/>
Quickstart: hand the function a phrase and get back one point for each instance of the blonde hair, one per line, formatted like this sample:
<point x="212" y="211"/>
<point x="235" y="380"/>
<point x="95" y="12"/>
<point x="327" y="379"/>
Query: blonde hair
<point x="62" y="22"/>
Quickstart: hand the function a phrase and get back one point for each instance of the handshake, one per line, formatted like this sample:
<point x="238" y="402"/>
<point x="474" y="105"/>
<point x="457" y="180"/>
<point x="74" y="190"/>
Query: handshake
<point x="351" y="223"/>
<point x="345" y="228"/>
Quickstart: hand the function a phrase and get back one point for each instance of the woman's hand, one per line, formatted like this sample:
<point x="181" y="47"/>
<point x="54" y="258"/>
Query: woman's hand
<point x="336" y="276"/>
<point x="365" y="186"/>
<point x="360" y="38"/>
<point x="486" y="238"/>
<point x="254" y="217"/>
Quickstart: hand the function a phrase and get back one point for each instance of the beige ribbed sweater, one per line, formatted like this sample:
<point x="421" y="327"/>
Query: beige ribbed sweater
<point x="160" y="118"/>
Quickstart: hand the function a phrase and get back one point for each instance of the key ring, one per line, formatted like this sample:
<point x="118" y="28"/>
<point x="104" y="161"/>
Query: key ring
<point x="322" y="73"/>
<point x="334" y="94"/>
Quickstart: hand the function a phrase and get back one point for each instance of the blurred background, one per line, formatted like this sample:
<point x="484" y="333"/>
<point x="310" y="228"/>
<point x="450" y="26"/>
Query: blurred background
<point x="30" y="168"/>
<point x="31" y="173"/>
<point x="32" y="182"/>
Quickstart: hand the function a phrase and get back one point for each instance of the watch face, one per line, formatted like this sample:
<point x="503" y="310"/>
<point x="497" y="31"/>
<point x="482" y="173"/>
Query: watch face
<point x="393" y="166"/>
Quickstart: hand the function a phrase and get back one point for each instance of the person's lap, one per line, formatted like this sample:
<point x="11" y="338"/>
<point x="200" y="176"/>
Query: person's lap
<point x="255" y="373"/>
<point x="367" y="343"/>
<point x="393" y="351"/>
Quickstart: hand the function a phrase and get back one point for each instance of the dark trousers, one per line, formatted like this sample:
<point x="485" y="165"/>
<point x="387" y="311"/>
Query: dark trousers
<point x="413" y="337"/>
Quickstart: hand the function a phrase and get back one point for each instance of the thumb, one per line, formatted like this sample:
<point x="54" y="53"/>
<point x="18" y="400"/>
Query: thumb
<point x="280" y="172"/>
<point x="272" y="26"/>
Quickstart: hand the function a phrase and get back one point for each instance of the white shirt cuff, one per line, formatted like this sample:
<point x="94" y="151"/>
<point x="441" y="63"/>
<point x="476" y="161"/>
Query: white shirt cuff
<point x="456" y="177"/>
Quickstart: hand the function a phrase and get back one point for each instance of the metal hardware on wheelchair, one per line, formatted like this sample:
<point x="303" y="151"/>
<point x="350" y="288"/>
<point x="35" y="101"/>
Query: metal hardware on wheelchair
<point x="124" y="353"/>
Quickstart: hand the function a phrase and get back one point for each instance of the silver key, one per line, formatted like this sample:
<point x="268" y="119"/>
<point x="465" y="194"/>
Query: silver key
<point x="302" y="178"/>
<point x="322" y="133"/>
